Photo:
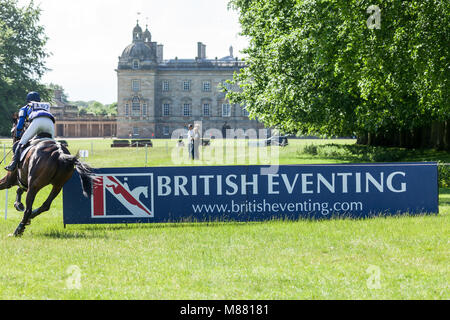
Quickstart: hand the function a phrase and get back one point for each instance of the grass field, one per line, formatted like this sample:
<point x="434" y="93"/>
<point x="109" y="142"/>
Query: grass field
<point x="380" y="258"/>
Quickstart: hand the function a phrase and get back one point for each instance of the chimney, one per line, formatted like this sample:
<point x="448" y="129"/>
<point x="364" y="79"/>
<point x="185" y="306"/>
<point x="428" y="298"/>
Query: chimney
<point x="201" y="50"/>
<point x="57" y="96"/>
<point x="159" y="53"/>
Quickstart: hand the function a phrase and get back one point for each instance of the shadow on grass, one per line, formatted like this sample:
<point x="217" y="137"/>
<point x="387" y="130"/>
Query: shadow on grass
<point x="72" y="234"/>
<point x="165" y="225"/>
<point x="100" y="230"/>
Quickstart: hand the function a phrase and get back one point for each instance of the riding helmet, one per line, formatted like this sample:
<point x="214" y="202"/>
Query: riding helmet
<point x="33" y="96"/>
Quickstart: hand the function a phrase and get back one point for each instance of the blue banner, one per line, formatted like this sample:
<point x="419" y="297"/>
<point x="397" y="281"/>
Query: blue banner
<point x="249" y="193"/>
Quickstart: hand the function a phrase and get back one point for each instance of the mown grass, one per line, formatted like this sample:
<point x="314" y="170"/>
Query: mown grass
<point x="276" y="259"/>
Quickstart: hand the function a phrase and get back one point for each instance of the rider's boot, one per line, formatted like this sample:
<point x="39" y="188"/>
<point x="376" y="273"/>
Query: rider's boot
<point x="15" y="160"/>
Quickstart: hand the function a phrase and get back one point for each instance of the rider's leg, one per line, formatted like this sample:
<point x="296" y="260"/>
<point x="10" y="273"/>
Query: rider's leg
<point x="15" y="160"/>
<point x="44" y="124"/>
<point x="41" y="124"/>
<point x="27" y="135"/>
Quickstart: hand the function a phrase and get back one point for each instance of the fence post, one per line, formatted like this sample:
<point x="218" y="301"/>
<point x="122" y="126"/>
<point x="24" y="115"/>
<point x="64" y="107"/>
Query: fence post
<point x="146" y="154"/>
<point x="6" y="192"/>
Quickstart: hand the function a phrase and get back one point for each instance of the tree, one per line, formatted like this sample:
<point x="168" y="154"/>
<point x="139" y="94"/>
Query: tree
<point x="96" y="108"/>
<point x="22" y="58"/>
<point x="321" y="67"/>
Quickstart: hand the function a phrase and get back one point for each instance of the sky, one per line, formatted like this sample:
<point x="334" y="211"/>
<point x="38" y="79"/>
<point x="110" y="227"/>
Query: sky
<point x="86" y="37"/>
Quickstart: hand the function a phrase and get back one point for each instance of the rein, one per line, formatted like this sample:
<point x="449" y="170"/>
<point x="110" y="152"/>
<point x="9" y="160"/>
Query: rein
<point x="5" y="156"/>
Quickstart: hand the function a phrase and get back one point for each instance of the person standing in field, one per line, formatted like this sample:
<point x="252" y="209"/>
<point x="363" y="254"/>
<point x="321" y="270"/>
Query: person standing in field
<point x="196" y="141"/>
<point x="191" y="141"/>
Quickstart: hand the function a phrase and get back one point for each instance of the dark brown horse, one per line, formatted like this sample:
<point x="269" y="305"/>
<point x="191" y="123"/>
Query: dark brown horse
<point x="46" y="162"/>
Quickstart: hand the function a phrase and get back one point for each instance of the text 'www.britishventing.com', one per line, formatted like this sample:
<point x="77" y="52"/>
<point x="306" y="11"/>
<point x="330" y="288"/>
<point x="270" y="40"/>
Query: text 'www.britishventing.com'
<point x="308" y="206"/>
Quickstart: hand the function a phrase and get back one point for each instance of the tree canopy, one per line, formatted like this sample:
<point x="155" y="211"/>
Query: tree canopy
<point x="95" y="107"/>
<point x="318" y="66"/>
<point x="22" y="57"/>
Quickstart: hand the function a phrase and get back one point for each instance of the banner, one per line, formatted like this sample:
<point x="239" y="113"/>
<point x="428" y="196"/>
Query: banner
<point x="250" y="193"/>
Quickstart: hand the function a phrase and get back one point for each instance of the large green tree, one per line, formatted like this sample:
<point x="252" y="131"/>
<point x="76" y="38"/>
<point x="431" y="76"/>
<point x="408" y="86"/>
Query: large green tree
<point x="376" y="69"/>
<point x="22" y="58"/>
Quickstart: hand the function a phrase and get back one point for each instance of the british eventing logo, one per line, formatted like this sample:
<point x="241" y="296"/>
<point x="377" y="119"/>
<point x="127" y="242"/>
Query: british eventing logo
<point x="122" y="196"/>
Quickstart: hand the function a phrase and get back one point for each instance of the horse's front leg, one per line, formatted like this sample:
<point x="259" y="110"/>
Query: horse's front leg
<point x="18" y="204"/>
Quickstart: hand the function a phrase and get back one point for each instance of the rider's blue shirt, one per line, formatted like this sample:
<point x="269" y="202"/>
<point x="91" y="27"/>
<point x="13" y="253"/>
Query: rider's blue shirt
<point x="32" y="111"/>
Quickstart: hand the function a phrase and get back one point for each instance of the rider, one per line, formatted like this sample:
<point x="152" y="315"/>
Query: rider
<point x="41" y="119"/>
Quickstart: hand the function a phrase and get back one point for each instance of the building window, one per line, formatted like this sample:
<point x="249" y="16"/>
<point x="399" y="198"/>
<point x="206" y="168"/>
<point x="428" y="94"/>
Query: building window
<point x="226" y="110"/>
<point x="127" y="110"/>
<point x="136" y="107"/>
<point x="166" y="109"/>
<point x="206" y="86"/>
<point x="186" y="85"/>
<point x="187" y="109"/>
<point x="136" y="85"/>
<point x="135" y="64"/>
<point x="165" y="86"/>
<point x="206" y="110"/>
<point x="166" y="131"/>
<point x="245" y="112"/>
<point x="135" y="131"/>
<point x="144" y="109"/>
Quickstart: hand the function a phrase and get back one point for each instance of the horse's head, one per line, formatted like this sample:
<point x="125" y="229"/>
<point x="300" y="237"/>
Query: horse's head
<point x="15" y="122"/>
<point x="13" y="133"/>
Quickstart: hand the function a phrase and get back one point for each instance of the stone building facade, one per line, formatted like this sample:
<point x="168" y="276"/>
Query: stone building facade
<point x="157" y="96"/>
<point x="69" y="123"/>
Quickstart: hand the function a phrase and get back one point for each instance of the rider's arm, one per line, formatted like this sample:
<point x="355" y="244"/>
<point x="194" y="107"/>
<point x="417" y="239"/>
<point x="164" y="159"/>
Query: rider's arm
<point x="23" y="113"/>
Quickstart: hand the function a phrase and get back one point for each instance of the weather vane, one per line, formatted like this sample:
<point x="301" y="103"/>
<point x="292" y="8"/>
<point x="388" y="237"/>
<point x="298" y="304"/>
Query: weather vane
<point x="138" y="14"/>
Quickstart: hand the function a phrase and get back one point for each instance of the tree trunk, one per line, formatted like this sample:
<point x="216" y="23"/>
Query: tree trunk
<point x="417" y="137"/>
<point x="425" y="137"/>
<point x="441" y="134"/>
<point x="434" y="134"/>
<point x="362" y="138"/>
<point x="446" y="136"/>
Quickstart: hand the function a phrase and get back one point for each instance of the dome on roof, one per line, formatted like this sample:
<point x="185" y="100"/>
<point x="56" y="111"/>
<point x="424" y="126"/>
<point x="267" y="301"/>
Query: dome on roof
<point x="141" y="49"/>
<point x="230" y="57"/>
<point x="227" y="58"/>
<point x="138" y="50"/>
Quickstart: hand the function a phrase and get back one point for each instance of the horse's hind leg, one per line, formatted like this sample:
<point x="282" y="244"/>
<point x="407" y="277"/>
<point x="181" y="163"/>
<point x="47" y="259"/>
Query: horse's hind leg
<point x="46" y="205"/>
<point x="18" y="203"/>
<point x="31" y="195"/>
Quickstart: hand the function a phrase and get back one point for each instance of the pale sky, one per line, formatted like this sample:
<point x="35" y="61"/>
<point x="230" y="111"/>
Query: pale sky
<point x="86" y="37"/>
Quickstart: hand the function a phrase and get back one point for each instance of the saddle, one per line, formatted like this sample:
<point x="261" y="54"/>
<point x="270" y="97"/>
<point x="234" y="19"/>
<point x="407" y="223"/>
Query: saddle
<point x="26" y="148"/>
<point x="43" y="136"/>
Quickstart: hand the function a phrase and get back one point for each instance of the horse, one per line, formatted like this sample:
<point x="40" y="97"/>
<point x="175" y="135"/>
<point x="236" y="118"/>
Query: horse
<point x="47" y="162"/>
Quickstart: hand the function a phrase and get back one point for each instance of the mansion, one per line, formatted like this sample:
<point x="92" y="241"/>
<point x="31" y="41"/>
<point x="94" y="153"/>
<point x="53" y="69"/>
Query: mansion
<point x="157" y="96"/>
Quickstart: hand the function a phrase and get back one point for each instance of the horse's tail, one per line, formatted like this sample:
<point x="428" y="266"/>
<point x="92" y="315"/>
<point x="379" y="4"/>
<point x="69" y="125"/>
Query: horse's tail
<point x="84" y="170"/>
